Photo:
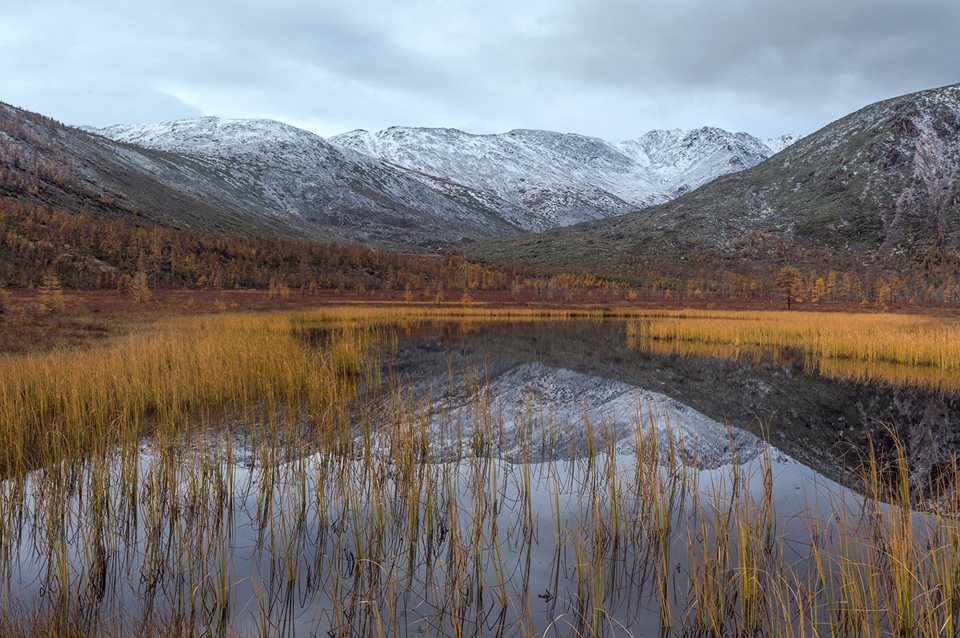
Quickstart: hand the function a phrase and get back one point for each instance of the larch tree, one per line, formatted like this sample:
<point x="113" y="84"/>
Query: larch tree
<point x="5" y="303"/>
<point x="883" y="292"/>
<point x="789" y="282"/>
<point x="51" y="295"/>
<point x="819" y="290"/>
<point x="140" y="287"/>
<point x="831" y="285"/>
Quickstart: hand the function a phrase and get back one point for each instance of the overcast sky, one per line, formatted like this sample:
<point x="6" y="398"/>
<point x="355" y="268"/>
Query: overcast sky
<point x="611" y="68"/>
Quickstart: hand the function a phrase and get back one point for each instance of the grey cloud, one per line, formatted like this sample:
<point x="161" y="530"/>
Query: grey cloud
<point x="606" y="67"/>
<point x="819" y="54"/>
<point x="102" y="105"/>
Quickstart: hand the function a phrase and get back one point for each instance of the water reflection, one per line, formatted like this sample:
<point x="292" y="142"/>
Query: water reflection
<point x="328" y="546"/>
<point x="823" y="415"/>
<point x="511" y="478"/>
<point x="534" y="413"/>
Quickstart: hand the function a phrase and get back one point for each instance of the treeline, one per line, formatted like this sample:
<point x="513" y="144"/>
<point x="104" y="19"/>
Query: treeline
<point x="783" y="272"/>
<point x="87" y="251"/>
<point x="793" y="285"/>
<point x="879" y="285"/>
<point x="793" y="273"/>
<point x="94" y="252"/>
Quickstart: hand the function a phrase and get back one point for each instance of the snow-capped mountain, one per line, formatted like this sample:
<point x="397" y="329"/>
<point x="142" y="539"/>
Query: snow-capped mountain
<point x="304" y="180"/>
<point x="878" y="186"/>
<point x="553" y="179"/>
<point x="558" y="179"/>
<point x="412" y="187"/>
<point x="780" y="142"/>
<point x="684" y="160"/>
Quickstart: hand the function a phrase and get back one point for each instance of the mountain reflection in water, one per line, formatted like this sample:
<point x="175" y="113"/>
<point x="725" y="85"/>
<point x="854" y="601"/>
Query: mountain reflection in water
<point x="823" y="418"/>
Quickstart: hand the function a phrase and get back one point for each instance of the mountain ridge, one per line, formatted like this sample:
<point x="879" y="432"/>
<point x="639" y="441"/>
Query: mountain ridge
<point x="272" y="179"/>
<point x="521" y="180"/>
<point x="564" y="178"/>
<point x="876" y="186"/>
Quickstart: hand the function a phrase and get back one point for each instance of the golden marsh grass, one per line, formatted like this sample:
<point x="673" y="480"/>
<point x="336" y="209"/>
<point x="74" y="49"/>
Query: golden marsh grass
<point x="917" y="340"/>
<point x="900" y="350"/>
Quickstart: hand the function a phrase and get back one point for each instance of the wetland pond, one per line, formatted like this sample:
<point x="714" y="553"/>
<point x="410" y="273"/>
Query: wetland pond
<point x="520" y="477"/>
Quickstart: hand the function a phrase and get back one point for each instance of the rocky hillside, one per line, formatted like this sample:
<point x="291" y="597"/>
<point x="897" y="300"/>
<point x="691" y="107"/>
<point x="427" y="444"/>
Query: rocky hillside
<point x="878" y="185"/>
<point x="558" y="179"/>
<point x="237" y="178"/>
<point x="305" y="182"/>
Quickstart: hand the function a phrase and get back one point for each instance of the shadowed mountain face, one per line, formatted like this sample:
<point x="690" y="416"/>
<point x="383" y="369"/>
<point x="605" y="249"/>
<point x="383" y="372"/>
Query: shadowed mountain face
<point x="587" y="368"/>
<point x="878" y="184"/>
<point x="235" y="178"/>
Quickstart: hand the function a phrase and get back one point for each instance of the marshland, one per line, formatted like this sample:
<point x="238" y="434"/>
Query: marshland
<point x="465" y="470"/>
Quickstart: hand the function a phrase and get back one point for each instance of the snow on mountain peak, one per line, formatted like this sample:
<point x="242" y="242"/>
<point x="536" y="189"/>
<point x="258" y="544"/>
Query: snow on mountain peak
<point x="563" y="178"/>
<point x="212" y="136"/>
<point x="682" y="160"/>
<point x="780" y="142"/>
<point x="298" y="175"/>
<point x="557" y="179"/>
<point x="535" y="179"/>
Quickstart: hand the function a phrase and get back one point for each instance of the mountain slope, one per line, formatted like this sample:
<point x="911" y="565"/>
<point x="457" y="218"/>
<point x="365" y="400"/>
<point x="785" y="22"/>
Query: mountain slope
<point x="878" y="185"/>
<point x="684" y="160"/>
<point x="552" y="179"/>
<point x="417" y="190"/>
<point x="308" y="183"/>
<point x="45" y="163"/>
<point x="557" y="179"/>
<point x="235" y="178"/>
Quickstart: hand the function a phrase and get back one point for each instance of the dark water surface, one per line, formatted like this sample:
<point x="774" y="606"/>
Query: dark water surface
<point x="825" y="422"/>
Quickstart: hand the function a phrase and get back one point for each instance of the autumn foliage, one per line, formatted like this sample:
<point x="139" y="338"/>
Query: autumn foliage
<point x="137" y="257"/>
<point x="86" y="251"/>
